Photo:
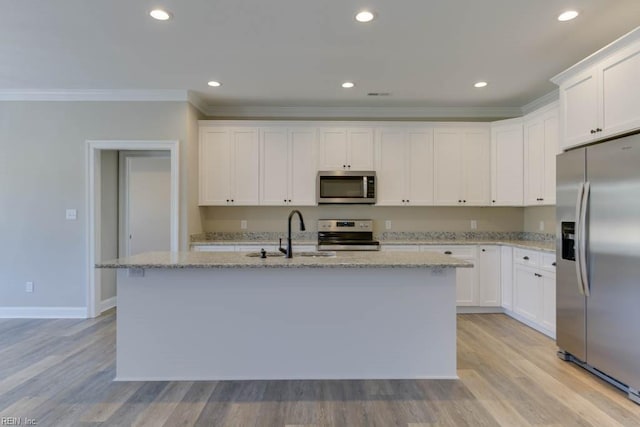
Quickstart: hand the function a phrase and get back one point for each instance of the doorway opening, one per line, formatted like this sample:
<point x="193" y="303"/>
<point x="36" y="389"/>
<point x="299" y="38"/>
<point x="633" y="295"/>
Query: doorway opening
<point x="101" y="232"/>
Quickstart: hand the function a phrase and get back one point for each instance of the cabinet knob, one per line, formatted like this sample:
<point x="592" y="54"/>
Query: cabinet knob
<point x="227" y="200"/>
<point x="232" y="200"/>
<point x="593" y="131"/>
<point x="289" y="200"/>
<point x="285" y="200"/>
<point x="407" y="200"/>
<point x="402" y="200"/>
<point x="553" y="264"/>
<point x="526" y="258"/>
<point x="493" y="201"/>
<point x="484" y="250"/>
<point x="447" y="252"/>
<point x="464" y="201"/>
<point x="537" y="275"/>
<point x="598" y="130"/>
<point x="344" y="166"/>
<point x="459" y="201"/>
<point x="348" y="166"/>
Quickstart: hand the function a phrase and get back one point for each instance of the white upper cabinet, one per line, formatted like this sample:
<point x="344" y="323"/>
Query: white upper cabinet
<point x="462" y="169"/>
<point x="540" y="150"/>
<point x="346" y="149"/>
<point x="507" y="163"/>
<point x="228" y="166"/>
<point x="404" y="167"/>
<point x="287" y="166"/>
<point x="600" y="96"/>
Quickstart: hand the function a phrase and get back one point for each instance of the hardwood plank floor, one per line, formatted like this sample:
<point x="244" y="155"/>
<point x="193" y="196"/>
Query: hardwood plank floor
<point x="59" y="373"/>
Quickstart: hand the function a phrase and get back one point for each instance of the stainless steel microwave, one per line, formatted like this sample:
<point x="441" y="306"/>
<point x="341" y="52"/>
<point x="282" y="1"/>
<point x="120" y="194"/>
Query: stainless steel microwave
<point x="346" y="187"/>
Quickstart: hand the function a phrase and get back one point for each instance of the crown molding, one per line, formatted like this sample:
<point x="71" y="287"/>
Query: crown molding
<point x="409" y="113"/>
<point x="541" y="102"/>
<point x="197" y="101"/>
<point x="94" y="95"/>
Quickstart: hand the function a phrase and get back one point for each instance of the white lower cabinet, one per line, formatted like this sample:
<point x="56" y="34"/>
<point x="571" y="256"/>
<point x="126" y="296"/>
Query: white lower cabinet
<point x="467" y="292"/>
<point x="489" y="294"/>
<point x="534" y="290"/>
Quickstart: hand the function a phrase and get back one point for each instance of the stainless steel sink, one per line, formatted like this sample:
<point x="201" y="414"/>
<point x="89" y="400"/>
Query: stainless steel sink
<point x="312" y="254"/>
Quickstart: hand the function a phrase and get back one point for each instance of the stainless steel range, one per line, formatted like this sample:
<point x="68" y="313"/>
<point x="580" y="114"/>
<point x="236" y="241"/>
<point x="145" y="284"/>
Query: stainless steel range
<point x="346" y="235"/>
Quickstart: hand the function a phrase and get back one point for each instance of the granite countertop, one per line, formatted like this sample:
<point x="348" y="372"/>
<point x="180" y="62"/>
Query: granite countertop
<point x="539" y="245"/>
<point x="241" y="260"/>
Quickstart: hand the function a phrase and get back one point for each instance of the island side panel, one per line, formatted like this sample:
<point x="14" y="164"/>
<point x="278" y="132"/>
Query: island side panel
<point x="296" y="323"/>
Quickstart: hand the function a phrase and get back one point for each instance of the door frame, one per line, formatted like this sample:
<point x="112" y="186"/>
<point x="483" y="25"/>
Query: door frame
<point x="93" y="180"/>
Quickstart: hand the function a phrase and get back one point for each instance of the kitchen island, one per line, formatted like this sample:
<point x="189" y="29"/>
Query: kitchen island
<point x="229" y="316"/>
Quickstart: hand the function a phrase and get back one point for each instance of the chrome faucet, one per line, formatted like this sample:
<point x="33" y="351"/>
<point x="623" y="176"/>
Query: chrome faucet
<point x="288" y="252"/>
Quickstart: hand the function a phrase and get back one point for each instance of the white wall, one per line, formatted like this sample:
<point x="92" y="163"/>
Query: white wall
<point x="109" y="218"/>
<point x="42" y="172"/>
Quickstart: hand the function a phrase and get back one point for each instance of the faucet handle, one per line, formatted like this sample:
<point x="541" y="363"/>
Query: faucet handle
<point x="263" y="253"/>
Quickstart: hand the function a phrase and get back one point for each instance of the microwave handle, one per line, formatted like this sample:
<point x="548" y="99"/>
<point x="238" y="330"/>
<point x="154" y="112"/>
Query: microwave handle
<point x="364" y="181"/>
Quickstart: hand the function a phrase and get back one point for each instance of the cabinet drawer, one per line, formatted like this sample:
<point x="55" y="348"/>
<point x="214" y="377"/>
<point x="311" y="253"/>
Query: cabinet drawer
<point x="526" y="257"/>
<point x="548" y="261"/>
<point x="458" y="251"/>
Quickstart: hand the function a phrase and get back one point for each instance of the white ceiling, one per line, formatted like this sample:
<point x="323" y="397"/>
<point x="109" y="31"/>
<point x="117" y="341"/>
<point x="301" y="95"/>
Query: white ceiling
<point x="426" y="53"/>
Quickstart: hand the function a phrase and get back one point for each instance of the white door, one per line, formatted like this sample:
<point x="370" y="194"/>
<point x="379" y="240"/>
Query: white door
<point x="447" y="167"/>
<point x="419" y="186"/>
<point x="551" y="149"/>
<point x="274" y="167"/>
<point x="533" y="162"/>
<point x="246" y="165"/>
<point x="360" y="146"/>
<point x="579" y="100"/>
<point x="333" y="149"/>
<point x="392" y="167"/>
<point x="620" y="92"/>
<point x="147" y="206"/>
<point x="489" y="276"/>
<point x="303" y="166"/>
<point x="476" y="166"/>
<point x="507" y="164"/>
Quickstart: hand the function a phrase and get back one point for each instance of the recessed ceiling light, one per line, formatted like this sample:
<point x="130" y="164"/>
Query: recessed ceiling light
<point x="480" y="84"/>
<point x="348" y="85"/>
<point x="567" y="16"/>
<point x="160" y="14"/>
<point x="214" y="83"/>
<point x="364" y="16"/>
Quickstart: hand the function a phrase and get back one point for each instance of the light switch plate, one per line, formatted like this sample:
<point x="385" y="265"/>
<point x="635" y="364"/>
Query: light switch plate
<point x="243" y="224"/>
<point x="541" y="226"/>
<point x="474" y="224"/>
<point x="72" y="214"/>
<point x="28" y="287"/>
<point x="387" y="225"/>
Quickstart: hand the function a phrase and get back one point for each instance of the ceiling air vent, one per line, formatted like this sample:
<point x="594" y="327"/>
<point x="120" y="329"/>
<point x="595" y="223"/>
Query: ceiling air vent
<point x="378" y="94"/>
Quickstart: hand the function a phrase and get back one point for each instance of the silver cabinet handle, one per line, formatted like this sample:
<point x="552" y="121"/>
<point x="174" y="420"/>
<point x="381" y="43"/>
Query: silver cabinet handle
<point x="583" y="239"/>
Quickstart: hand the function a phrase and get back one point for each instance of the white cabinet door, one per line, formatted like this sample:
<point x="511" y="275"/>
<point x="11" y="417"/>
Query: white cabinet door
<point x="346" y="149"/>
<point x="507" y="163"/>
<point x="533" y="162"/>
<point x="527" y="293"/>
<point x="246" y="165"/>
<point x="302" y="167"/>
<point x="274" y="169"/>
<point x="489" y="276"/>
<point x="360" y="150"/>
<point x="448" y="174"/>
<point x="400" y="248"/>
<point x="476" y="167"/>
<point x="548" y="320"/>
<point x="391" y="170"/>
<point x="551" y="150"/>
<point x="620" y="92"/>
<point x="467" y="285"/>
<point x="419" y="182"/>
<point x="215" y="166"/>
<point x="580" y="110"/>
<point x="506" y="276"/>
<point x="541" y="147"/>
<point x="333" y="149"/>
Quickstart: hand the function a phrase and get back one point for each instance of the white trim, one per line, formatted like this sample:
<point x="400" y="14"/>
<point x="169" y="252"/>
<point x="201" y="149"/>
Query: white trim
<point x="342" y="123"/>
<point x="306" y="377"/>
<point x="613" y="47"/>
<point x="108" y="303"/>
<point x="197" y="101"/>
<point x="233" y="111"/>
<point x="478" y="310"/>
<point x="530" y="323"/>
<point x="43" y="312"/>
<point x="544" y="100"/>
<point x="94" y="95"/>
<point x="92" y="172"/>
<point x="549" y="108"/>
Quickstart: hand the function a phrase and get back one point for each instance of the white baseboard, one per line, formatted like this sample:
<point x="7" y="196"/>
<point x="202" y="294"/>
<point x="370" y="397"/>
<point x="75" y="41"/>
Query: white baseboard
<point x="529" y="323"/>
<point x="463" y="309"/>
<point x="43" y="312"/>
<point x="108" y="303"/>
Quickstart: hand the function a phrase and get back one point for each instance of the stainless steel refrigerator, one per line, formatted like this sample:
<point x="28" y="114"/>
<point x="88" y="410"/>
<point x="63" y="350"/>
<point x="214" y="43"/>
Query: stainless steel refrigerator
<point x="598" y="260"/>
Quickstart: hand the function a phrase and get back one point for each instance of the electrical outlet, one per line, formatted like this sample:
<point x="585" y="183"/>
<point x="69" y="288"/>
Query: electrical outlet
<point x="72" y="214"/>
<point x="135" y="272"/>
<point x="243" y="224"/>
<point x="28" y="287"/>
<point x="387" y="225"/>
<point x="474" y="224"/>
<point x="541" y="226"/>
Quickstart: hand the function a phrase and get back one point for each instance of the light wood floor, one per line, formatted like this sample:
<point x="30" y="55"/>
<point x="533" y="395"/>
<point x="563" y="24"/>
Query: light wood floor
<point x="59" y="372"/>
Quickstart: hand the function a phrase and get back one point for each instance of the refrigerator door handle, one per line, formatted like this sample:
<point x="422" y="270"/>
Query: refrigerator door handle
<point x="578" y="238"/>
<point x="583" y="239"/>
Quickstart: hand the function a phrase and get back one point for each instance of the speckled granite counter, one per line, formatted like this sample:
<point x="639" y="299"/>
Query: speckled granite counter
<point x="183" y="260"/>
